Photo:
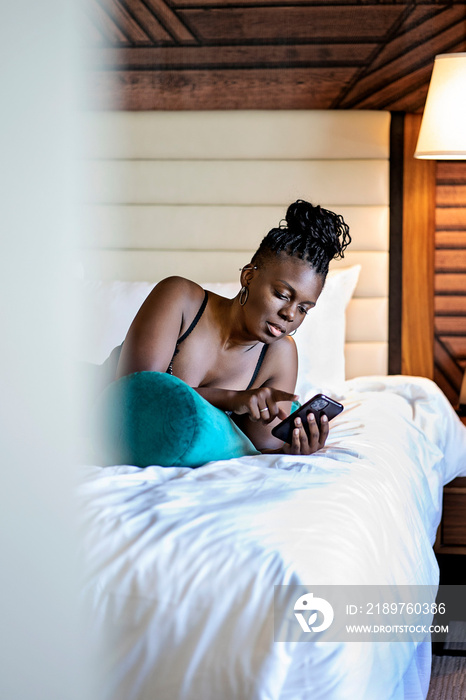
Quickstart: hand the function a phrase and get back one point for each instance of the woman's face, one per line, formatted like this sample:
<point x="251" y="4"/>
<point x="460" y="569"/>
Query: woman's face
<point x="281" y="292"/>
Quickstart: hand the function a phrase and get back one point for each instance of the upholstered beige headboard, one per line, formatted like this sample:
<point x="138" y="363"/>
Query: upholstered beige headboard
<point x="193" y="193"/>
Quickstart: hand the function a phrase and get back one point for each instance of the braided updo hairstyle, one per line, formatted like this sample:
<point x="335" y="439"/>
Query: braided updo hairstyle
<point x="311" y="233"/>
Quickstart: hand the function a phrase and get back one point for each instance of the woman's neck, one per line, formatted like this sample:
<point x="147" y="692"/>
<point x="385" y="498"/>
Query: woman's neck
<point x="230" y="322"/>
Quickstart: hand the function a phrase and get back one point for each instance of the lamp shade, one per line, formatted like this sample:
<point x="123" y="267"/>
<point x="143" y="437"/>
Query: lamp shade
<point x="443" y="127"/>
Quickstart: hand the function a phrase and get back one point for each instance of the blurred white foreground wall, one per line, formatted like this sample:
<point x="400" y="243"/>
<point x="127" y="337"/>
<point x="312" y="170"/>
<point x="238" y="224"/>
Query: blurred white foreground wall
<point x="41" y="645"/>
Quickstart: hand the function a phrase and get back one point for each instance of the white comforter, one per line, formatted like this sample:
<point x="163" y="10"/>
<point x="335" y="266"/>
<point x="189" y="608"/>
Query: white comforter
<point x="181" y="564"/>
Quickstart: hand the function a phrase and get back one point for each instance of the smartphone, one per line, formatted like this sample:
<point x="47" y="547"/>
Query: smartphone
<point x="319" y="405"/>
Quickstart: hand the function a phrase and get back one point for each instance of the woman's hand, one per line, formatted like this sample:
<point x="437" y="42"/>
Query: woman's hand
<point x="301" y="444"/>
<point x="261" y="404"/>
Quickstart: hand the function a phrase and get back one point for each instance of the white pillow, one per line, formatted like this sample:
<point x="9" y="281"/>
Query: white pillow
<point x="321" y="337"/>
<point x="108" y="309"/>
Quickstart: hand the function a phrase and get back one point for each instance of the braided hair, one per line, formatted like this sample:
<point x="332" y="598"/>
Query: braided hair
<point x="311" y="233"/>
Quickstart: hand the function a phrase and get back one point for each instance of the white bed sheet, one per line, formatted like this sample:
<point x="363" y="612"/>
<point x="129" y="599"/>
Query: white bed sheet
<point x="181" y="564"/>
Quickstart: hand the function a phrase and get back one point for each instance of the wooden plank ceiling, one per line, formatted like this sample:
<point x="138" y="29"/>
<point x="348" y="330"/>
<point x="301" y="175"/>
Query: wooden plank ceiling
<point x="266" y="54"/>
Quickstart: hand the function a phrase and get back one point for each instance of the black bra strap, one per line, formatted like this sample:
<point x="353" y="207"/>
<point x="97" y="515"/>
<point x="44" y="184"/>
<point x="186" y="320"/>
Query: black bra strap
<point x="196" y="318"/>
<point x="187" y="332"/>
<point x="258" y="366"/>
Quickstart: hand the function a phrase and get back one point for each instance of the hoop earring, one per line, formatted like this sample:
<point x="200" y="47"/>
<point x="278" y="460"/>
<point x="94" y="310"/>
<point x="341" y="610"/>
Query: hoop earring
<point x="243" y="295"/>
<point x="293" y="332"/>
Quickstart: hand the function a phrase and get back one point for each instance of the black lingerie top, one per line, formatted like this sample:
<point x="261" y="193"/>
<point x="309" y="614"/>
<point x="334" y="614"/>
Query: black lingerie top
<point x="115" y="354"/>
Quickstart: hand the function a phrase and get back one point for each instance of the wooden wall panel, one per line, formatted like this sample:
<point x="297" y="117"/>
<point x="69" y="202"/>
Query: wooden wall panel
<point x="418" y="257"/>
<point x="266" y="54"/>
<point x="406" y="61"/>
<point x="231" y="57"/>
<point x="292" y="24"/>
<point x="197" y="89"/>
<point x="450" y="277"/>
<point x="449" y="283"/>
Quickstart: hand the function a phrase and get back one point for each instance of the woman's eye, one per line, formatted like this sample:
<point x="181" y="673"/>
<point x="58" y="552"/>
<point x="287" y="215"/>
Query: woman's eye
<point x="281" y="296"/>
<point x="303" y="310"/>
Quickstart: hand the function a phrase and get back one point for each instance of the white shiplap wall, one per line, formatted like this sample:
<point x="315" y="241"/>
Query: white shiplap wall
<point x="193" y="193"/>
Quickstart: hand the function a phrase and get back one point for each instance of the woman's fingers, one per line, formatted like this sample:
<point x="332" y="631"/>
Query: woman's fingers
<point x="282" y="414"/>
<point x="262" y="404"/>
<point x="266" y="415"/>
<point x="314" y="433"/>
<point x="324" y="427"/>
<point x="304" y="443"/>
<point x="295" y="441"/>
<point x="280" y="395"/>
<point x="268" y="405"/>
<point x="254" y="410"/>
<point x="272" y="411"/>
<point x="300" y="442"/>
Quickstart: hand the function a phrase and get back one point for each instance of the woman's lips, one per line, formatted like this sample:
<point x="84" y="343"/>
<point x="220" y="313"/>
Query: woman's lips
<point x="275" y="329"/>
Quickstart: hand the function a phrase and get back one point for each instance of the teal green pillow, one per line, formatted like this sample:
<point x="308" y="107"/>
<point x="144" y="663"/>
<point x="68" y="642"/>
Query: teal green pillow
<point x="150" y="418"/>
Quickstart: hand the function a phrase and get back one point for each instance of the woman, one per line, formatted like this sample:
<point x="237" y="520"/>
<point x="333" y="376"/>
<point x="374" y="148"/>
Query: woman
<point x="238" y="353"/>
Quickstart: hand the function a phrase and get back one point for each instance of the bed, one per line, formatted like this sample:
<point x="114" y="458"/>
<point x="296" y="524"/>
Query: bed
<point x="182" y="565"/>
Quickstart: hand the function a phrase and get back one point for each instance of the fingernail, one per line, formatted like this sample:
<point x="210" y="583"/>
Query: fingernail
<point x="311" y="416"/>
<point x="298" y="421"/>
<point x="324" y="419"/>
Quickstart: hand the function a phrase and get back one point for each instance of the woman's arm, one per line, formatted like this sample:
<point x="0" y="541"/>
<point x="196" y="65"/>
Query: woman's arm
<point x="151" y="340"/>
<point x="249" y="401"/>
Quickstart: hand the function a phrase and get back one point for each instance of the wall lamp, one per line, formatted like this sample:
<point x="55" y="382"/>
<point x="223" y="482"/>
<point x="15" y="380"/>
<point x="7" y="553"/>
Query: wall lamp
<point x="443" y="128"/>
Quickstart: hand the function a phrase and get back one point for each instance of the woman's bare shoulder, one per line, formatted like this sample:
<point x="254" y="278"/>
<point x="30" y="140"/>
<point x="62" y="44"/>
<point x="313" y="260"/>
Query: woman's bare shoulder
<point x="177" y="291"/>
<point x="171" y="301"/>
<point x="283" y="350"/>
<point x="280" y="367"/>
<point x="179" y="286"/>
